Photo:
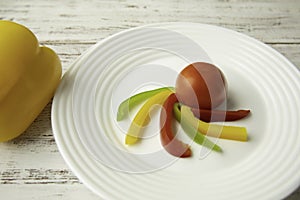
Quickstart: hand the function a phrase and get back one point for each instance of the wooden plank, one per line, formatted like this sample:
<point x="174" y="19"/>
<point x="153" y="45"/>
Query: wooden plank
<point x="47" y="192"/>
<point x="90" y="21"/>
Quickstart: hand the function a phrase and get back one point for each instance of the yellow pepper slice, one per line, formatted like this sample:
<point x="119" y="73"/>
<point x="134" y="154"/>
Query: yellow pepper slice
<point x="142" y="118"/>
<point x="29" y="75"/>
<point x="215" y="130"/>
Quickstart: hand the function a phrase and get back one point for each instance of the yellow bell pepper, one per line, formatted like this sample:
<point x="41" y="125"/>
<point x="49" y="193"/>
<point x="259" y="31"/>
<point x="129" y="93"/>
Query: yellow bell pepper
<point x="214" y="130"/>
<point x="142" y="118"/>
<point x="29" y="75"/>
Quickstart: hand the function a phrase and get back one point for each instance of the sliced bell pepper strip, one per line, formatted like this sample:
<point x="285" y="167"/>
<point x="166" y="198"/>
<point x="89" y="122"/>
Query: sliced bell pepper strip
<point x="168" y="140"/>
<point x="135" y="100"/>
<point x="219" y="115"/>
<point x="214" y="130"/>
<point x="183" y="117"/>
<point x="142" y="118"/>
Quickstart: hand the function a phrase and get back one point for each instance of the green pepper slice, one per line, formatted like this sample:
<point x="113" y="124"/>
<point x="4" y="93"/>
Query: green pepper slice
<point x="183" y="116"/>
<point x="135" y="100"/>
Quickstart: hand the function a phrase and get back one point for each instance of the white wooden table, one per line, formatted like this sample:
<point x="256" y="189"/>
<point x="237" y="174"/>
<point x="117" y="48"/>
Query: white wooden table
<point x="31" y="166"/>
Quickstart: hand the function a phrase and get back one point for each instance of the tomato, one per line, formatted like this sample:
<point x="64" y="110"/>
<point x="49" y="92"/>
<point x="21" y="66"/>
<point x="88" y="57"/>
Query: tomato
<point x="201" y="85"/>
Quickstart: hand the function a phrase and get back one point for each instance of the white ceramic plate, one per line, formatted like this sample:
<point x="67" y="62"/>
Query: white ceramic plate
<point x="259" y="78"/>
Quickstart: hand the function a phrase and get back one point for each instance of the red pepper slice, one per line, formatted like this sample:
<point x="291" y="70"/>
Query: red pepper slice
<point x="219" y="115"/>
<point x="168" y="140"/>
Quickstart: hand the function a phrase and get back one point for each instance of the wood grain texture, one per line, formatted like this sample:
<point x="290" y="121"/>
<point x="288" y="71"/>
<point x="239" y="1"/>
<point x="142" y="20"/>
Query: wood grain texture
<point x="31" y="166"/>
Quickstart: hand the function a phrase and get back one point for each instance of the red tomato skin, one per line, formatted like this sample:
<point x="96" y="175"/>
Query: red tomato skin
<point x="201" y="85"/>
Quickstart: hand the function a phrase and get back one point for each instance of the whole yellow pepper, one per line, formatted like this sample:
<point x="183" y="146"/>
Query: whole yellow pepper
<point x="29" y="75"/>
